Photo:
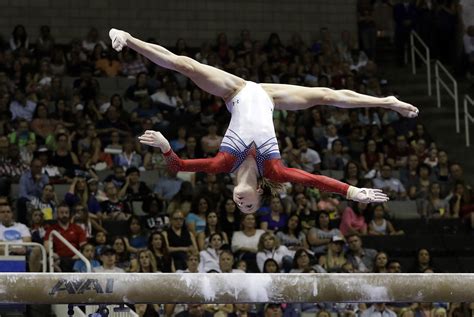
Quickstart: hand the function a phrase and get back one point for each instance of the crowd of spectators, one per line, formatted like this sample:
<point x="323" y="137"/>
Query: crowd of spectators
<point x="83" y="136"/>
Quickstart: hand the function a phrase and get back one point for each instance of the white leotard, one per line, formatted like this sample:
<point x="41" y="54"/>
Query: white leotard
<point x="251" y="125"/>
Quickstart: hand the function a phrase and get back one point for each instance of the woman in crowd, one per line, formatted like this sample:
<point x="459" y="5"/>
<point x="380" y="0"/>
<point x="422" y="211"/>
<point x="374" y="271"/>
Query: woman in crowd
<point x="334" y="258"/>
<point x="320" y="236"/>
<point x="269" y="247"/>
<point x="179" y="240"/>
<point x="292" y="235"/>
<point x="212" y="226"/>
<point x="210" y="256"/>
<point x="157" y="246"/>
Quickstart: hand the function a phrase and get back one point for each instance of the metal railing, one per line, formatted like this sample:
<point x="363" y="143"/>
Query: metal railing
<point x="426" y="57"/>
<point x="452" y="92"/>
<point x="467" y="118"/>
<point x="56" y="234"/>
<point x="7" y="246"/>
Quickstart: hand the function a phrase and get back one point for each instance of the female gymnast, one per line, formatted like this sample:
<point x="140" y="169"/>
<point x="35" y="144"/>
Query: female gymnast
<point x="249" y="146"/>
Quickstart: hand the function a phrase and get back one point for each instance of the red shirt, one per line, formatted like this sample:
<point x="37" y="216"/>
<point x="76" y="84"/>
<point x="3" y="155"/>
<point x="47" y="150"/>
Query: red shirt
<point x="74" y="234"/>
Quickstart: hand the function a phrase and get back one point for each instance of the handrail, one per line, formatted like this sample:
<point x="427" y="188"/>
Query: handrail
<point x="426" y="58"/>
<point x="56" y="234"/>
<point x="467" y="117"/>
<point x="26" y="244"/>
<point x="453" y="93"/>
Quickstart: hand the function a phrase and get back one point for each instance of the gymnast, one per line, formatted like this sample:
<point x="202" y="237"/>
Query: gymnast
<point x="249" y="147"/>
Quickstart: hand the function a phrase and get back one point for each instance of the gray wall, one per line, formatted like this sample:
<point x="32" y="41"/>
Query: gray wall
<point x="194" y="20"/>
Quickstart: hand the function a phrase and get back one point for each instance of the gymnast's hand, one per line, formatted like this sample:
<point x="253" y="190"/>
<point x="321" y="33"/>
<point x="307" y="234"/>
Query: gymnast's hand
<point x="156" y="139"/>
<point x="366" y="195"/>
<point x="403" y="108"/>
<point x="119" y="39"/>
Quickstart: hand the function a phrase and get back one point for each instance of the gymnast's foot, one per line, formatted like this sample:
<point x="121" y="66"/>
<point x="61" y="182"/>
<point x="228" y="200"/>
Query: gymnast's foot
<point x="366" y="195"/>
<point x="119" y="39"/>
<point x="403" y="108"/>
<point x="156" y="139"/>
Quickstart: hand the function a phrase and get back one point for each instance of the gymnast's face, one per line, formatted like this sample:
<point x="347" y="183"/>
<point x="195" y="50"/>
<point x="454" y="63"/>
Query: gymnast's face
<point x="247" y="198"/>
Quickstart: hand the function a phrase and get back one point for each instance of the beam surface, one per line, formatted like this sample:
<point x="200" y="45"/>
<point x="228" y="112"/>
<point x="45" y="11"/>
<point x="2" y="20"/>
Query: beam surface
<point x="116" y="288"/>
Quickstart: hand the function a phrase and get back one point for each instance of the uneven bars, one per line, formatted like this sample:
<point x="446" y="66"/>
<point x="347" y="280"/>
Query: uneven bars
<point x="117" y="288"/>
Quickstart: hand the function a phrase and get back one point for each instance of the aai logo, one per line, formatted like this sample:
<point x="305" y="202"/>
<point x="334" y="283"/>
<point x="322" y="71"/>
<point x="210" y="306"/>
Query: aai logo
<point x="80" y="286"/>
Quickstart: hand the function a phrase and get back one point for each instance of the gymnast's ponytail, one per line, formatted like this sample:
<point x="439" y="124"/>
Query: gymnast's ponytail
<point x="270" y="189"/>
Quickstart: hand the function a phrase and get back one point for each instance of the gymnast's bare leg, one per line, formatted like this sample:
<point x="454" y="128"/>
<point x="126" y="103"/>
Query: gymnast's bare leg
<point x="210" y="79"/>
<point x="290" y="97"/>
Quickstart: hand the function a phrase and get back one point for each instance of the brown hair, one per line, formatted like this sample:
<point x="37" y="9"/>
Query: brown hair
<point x="270" y="188"/>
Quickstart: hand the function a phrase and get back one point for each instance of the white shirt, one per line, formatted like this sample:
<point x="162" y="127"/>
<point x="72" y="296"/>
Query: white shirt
<point x="309" y="159"/>
<point x="276" y="255"/>
<point x="14" y="233"/>
<point x="392" y="183"/>
<point x="240" y="240"/>
<point x="209" y="260"/>
<point x="372" y="312"/>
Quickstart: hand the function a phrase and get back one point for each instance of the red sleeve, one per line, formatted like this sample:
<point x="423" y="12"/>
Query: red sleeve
<point x="275" y="171"/>
<point x="82" y="236"/>
<point x="221" y="163"/>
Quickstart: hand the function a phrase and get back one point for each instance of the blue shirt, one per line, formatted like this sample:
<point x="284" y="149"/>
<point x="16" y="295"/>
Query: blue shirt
<point x="29" y="188"/>
<point x="22" y="111"/>
<point x="80" y="266"/>
<point x="168" y="187"/>
<point x="199" y="223"/>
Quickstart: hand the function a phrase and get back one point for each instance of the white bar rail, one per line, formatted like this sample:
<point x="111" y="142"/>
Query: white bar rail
<point x="467" y="118"/>
<point x="56" y="234"/>
<point x="426" y="57"/>
<point x="27" y="244"/>
<point x="452" y="92"/>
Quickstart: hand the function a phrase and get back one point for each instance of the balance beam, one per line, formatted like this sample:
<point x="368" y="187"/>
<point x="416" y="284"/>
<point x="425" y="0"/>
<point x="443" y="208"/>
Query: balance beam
<point x="118" y="288"/>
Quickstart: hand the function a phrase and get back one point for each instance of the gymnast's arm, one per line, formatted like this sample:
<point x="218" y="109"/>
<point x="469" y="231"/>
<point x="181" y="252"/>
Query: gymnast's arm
<point x="221" y="163"/>
<point x="276" y="171"/>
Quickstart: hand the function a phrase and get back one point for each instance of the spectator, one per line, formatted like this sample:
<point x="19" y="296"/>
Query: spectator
<point x="245" y="242"/>
<point x="380" y="263"/>
<point x="210" y="256"/>
<point x="353" y="220"/>
<point x="47" y="203"/>
<point x="179" y="240"/>
<point x="124" y="260"/>
<point x="335" y="158"/>
<point x="378" y="309"/>
<point x="140" y="89"/>
<point x="320" y="236"/>
<point x="371" y="159"/>
<point x="310" y="159"/>
<point x="242" y="310"/>
<point x="212" y="226"/>
<point x="63" y="157"/>
<point x="31" y="186"/>
<point x="196" y="219"/>
<point x="229" y="219"/>
<point x="302" y="261"/>
<point x="108" y="258"/>
<point x="334" y="258"/>
<point x="269" y="247"/>
<point x="137" y="238"/>
<point x="394" y="266"/>
<point x="132" y="64"/>
<point x="146" y="262"/>
<point x="276" y="219"/>
<point x="379" y="226"/>
<point x="389" y="184"/>
<point x="78" y="193"/>
<point x="157" y="219"/>
<point x="168" y="186"/>
<point x="114" y="208"/>
<point x="88" y="251"/>
<point x="423" y="261"/>
<point x="74" y="234"/>
<point x="19" y="38"/>
<point x="272" y="310"/>
<point x="226" y="262"/>
<point x="271" y="266"/>
<point x="16" y="232"/>
<point x="157" y="246"/>
<point x="211" y="142"/>
<point x="292" y="235"/>
<point x="352" y="174"/>
<point x="92" y="39"/>
<point x="192" y="263"/>
<point x="362" y="259"/>
<point x="22" y="135"/>
<point x="134" y="189"/>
